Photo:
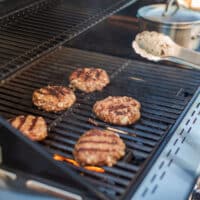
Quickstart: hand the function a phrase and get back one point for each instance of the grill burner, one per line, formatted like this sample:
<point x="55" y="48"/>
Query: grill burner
<point x="163" y="98"/>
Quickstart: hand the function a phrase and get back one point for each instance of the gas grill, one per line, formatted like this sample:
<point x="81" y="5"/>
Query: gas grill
<point x="40" y="45"/>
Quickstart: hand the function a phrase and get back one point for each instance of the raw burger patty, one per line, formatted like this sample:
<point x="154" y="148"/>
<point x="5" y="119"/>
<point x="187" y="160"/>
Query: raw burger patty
<point x="31" y="126"/>
<point x="89" y="79"/>
<point x="118" y="110"/>
<point x="53" y="98"/>
<point x="99" y="147"/>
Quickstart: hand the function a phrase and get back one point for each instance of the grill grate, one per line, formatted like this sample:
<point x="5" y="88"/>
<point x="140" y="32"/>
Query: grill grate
<point x="163" y="98"/>
<point x="41" y="26"/>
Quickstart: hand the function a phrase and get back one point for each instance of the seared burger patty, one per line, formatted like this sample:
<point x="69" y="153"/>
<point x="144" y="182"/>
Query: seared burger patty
<point x="118" y="110"/>
<point x="89" y="79"/>
<point x="31" y="126"/>
<point x="53" y="98"/>
<point x="99" y="147"/>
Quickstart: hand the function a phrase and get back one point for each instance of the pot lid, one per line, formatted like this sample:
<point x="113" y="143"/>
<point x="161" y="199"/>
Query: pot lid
<point x="182" y="15"/>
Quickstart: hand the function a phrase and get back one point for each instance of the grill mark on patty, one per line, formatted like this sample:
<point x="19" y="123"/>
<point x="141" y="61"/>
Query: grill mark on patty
<point x="79" y="72"/>
<point x="125" y="103"/>
<point x="120" y="112"/>
<point x="21" y="122"/>
<point x="98" y="142"/>
<point x="87" y="76"/>
<point x="116" y="107"/>
<point x="63" y="91"/>
<point x="29" y="126"/>
<point x="101" y="134"/>
<point x="95" y="149"/>
<point x="54" y="91"/>
<point x="97" y="74"/>
<point x="34" y="122"/>
<point x="99" y="147"/>
<point x="89" y="79"/>
<point x="50" y="98"/>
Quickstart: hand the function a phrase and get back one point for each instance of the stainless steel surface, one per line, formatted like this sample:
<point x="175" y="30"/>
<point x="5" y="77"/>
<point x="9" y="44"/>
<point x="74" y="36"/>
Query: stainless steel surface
<point x="182" y="63"/>
<point x="4" y="174"/>
<point x="44" y="188"/>
<point x="11" y="189"/>
<point x="189" y="57"/>
<point x="183" y="28"/>
<point x="173" y="174"/>
<point x="186" y="57"/>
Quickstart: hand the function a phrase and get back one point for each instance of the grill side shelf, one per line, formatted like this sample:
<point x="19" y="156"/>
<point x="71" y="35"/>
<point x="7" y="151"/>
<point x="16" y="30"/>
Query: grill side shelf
<point x="173" y="174"/>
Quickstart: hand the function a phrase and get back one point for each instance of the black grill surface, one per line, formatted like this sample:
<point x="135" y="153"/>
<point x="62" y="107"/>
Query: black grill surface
<point x="8" y="6"/>
<point x="40" y="26"/>
<point x="163" y="92"/>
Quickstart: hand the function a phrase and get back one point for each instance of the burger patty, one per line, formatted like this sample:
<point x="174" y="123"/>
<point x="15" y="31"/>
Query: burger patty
<point x="119" y="110"/>
<point x="89" y="79"/>
<point x="99" y="147"/>
<point x="31" y="126"/>
<point x="53" y="98"/>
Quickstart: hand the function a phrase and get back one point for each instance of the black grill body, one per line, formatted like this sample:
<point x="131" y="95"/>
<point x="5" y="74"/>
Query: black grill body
<point x="36" y="54"/>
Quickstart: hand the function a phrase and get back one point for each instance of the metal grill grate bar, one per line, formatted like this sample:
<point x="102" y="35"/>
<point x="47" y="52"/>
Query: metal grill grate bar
<point x="43" y="25"/>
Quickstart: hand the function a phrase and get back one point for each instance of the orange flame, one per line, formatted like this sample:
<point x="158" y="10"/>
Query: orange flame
<point x="58" y="157"/>
<point x="73" y="162"/>
<point x="95" y="169"/>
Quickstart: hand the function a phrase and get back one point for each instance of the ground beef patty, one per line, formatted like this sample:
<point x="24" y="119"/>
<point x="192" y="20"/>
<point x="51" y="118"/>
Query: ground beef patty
<point x="89" y="79"/>
<point x="98" y="148"/>
<point x="31" y="126"/>
<point x="118" y="110"/>
<point x="53" y="98"/>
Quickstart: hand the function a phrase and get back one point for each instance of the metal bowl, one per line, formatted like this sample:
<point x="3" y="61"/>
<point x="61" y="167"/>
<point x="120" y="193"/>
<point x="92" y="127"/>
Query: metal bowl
<point x="183" y="26"/>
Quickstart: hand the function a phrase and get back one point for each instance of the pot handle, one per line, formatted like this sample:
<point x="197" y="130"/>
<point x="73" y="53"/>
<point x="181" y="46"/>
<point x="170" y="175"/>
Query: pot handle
<point x="168" y="6"/>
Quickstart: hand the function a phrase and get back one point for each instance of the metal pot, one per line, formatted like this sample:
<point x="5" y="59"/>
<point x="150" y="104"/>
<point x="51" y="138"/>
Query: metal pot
<point x="183" y="26"/>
